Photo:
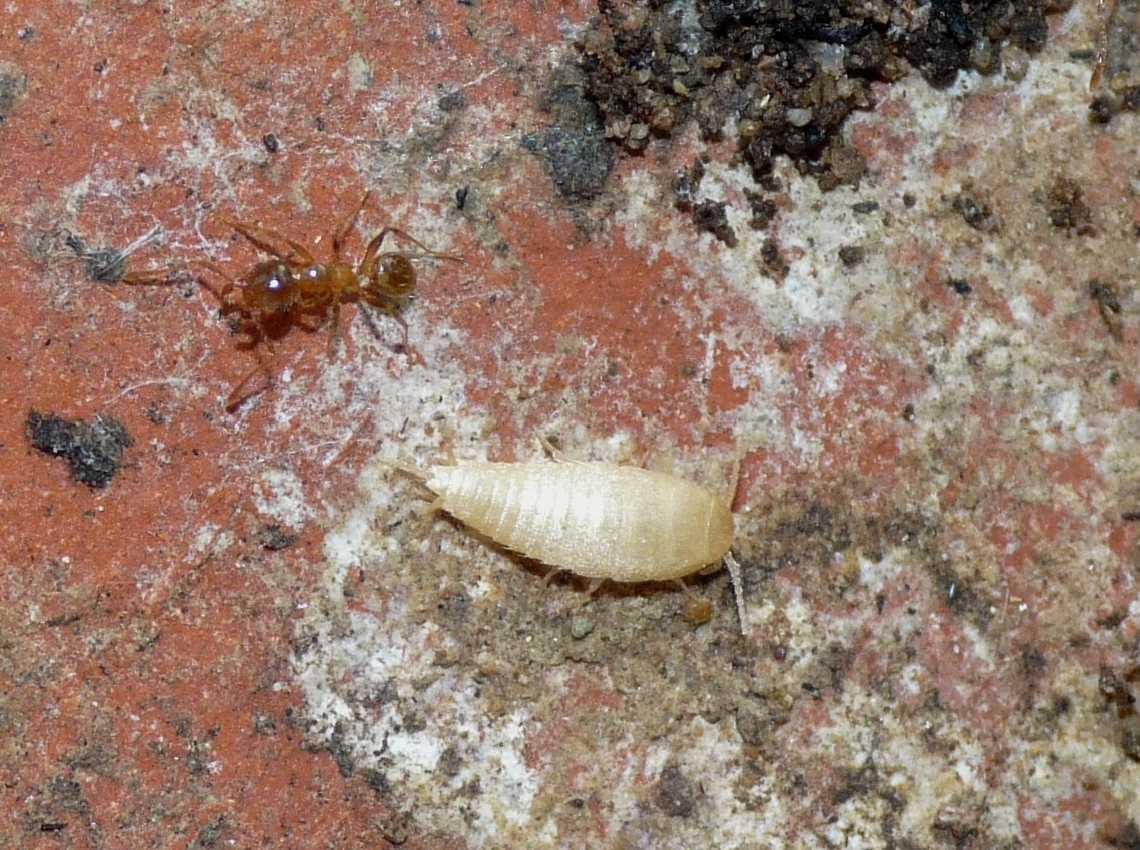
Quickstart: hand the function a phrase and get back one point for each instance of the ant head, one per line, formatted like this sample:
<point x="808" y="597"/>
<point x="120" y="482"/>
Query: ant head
<point x="394" y="276"/>
<point x="270" y="286"/>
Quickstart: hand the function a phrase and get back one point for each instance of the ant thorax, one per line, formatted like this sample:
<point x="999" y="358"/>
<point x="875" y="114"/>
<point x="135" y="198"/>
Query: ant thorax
<point x="312" y="282"/>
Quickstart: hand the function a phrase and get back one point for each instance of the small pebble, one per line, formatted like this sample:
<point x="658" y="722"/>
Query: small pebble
<point x="1016" y="63"/>
<point x="852" y="255"/>
<point x="581" y="627"/>
<point x="799" y="117"/>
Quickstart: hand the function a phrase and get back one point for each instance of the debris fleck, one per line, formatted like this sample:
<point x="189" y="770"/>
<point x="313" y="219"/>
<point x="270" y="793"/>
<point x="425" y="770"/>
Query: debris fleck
<point x="960" y="286"/>
<point x="13" y="88"/>
<point x="579" y="160"/>
<point x="711" y="217"/>
<point x="581" y="627"/>
<point x="676" y="795"/>
<point x="275" y="538"/>
<point x="211" y="834"/>
<point x="102" y="265"/>
<point x="452" y="101"/>
<point x="852" y="255"/>
<point x="264" y="724"/>
<point x="94" y="451"/>
<point x="106" y="264"/>
<point x="975" y="212"/>
<point x="1108" y="305"/>
<point x="763" y="210"/>
<point x="1068" y="209"/>
<point x="774" y="261"/>
<point x="686" y="185"/>
<point x="698" y="612"/>
<point x="1102" y="108"/>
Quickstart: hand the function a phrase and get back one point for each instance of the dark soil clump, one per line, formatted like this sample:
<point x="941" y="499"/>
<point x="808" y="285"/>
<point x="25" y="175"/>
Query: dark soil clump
<point x="94" y="451"/>
<point x="788" y="73"/>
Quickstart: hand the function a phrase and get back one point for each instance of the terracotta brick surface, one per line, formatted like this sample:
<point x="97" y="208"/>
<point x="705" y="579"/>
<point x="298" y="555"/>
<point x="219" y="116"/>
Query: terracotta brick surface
<point x="254" y="636"/>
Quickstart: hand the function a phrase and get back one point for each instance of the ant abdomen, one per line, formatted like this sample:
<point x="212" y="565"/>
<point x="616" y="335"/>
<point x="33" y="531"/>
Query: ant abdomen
<point x="395" y="277"/>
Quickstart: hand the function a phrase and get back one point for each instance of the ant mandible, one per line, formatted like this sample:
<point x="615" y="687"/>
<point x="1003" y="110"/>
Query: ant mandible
<point x="276" y="293"/>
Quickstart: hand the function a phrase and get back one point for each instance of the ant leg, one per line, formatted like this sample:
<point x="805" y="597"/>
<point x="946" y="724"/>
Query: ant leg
<point x="412" y="471"/>
<point x="737" y="590"/>
<point x="261" y="236"/>
<point x="1106" y="10"/>
<point x="154" y="277"/>
<point x="372" y="253"/>
<point x="334" y="331"/>
<point x="690" y="597"/>
<point x="403" y="323"/>
<point x="426" y="522"/>
<point x="169" y="277"/>
<point x="230" y="286"/>
<point x="404" y="345"/>
<point x="544" y="445"/>
<point x="407" y="347"/>
<point x="341" y="233"/>
<point x="370" y="322"/>
<point x="732" y="491"/>
<point x="237" y="396"/>
<point x="400" y="234"/>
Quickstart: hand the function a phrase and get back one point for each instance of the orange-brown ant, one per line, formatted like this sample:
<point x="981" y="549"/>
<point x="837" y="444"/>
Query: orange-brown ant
<point x="275" y="294"/>
<point x="1106" y="9"/>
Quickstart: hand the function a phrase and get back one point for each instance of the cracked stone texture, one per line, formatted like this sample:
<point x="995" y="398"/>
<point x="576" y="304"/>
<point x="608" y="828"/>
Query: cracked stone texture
<point x="254" y="636"/>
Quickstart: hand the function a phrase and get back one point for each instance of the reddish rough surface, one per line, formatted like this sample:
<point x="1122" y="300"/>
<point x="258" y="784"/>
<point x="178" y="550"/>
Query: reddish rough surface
<point x="937" y="514"/>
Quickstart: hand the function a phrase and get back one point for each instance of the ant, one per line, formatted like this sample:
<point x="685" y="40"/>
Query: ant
<point x="275" y="294"/>
<point x="1106" y="11"/>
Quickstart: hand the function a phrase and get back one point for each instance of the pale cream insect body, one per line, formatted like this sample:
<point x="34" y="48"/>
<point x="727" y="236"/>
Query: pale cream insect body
<point x="598" y="520"/>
